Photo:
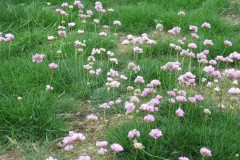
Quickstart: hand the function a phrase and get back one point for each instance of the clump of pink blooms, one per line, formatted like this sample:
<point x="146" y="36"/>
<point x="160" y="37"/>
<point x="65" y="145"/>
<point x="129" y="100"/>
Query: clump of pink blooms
<point x="116" y="147"/>
<point x="205" y="152"/>
<point x="9" y="37"/>
<point x="172" y="66"/>
<point x="187" y="79"/>
<point x="38" y="58"/>
<point x="156" y="133"/>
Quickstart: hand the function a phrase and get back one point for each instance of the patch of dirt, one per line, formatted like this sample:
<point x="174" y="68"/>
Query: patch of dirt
<point x="232" y="14"/>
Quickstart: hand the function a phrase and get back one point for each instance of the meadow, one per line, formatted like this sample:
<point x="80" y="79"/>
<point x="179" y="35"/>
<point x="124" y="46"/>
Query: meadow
<point x="124" y="80"/>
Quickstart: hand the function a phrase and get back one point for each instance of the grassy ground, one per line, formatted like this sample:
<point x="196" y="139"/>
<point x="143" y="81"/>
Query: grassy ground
<point x="31" y="127"/>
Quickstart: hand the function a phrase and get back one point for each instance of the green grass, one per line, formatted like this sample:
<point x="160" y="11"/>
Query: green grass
<point x="182" y="137"/>
<point x="39" y="116"/>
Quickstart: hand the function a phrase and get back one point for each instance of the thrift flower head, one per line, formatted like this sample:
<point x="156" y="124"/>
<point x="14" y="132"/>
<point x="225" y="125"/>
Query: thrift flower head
<point x="228" y="43"/>
<point x="68" y="147"/>
<point x="179" y="112"/>
<point x="155" y="83"/>
<point x="208" y="42"/>
<point x="38" y="58"/>
<point x="102" y="151"/>
<point x="53" y="66"/>
<point x="130" y="107"/>
<point x="234" y="91"/>
<point x="175" y="30"/>
<point x="139" y="79"/>
<point x="206" y="25"/>
<point x="101" y="143"/>
<point x="137" y="50"/>
<point x="205" y="152"/>
<point x="193" y="28"/>
<point x="9" y="37"/>
<point x="133" y="133"/>
<point x="192" y="46"/>
<point x="156" y="133"/>
<point x="117" y="23"/>
<point x="116" y="147"/>
<point x="149" y="118"/>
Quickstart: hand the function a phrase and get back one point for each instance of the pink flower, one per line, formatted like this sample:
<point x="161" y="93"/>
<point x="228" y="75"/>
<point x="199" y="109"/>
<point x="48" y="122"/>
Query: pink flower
<point x="139" y="79"/>
<point x="149" y="118"/>
<point x="206" y="25"/>
<point x="133" y="133"/>
<point x="228" y="43"/>
<point x="96" y="21"/>
<point x="65" y="4"/>
<point x="62" y="34"/>
<point x="114" y="84"/>
<point x="38" y="58"/>
<point x="117" y="23"/>
<point x="192" y="45"/>
<point x="104" y="106"/>
<point x="234" y="91"/>
<point x="84" y="158"/>
<point x="192" y="99"/>
<point x="116" y="147"/>
<point x="235" y="55"/>
<point x="155" y="83"/>
<point x="101" y="143"/>
<point x="147" y="107"/>
<point x="194" y="35"/>
<point x="208" y="42"/>
<point x="9" y="37"/>
<point x="71" y="24"/>
<point x="102" y="151"/>
<point x="175" y="30"/>
<point x="181" y="99"/>
<point x="193" y="28"/>
<point x="130" y="107"/>
<point x="171" y="100"/>
<point x="53" y="66"/>
<point x="171" y="93"/>
<point x="199" y="97"/>
<point x="146" y="91"/>
<point x="68" y="147"/>
<point x="183" y="158"/>
<point x="209" y="69"/>
<point x="212" y="62"/>
<point x="179" y="112"/>
<point x="205" y="152"/>
<point x="156" y="133"/>
<point x="137" y="50"/>
<point x="205" y="52"/>
<point x="187" y="79"/>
